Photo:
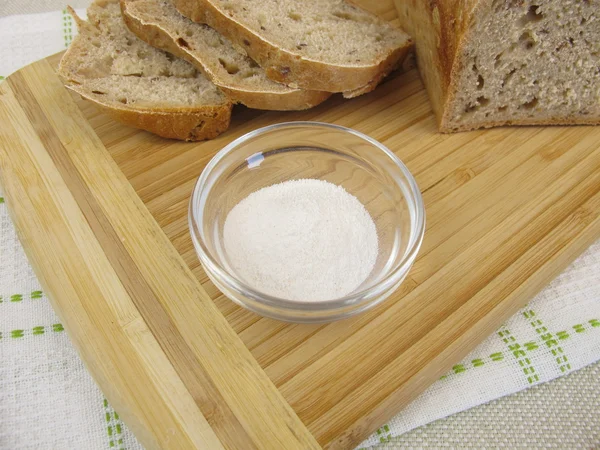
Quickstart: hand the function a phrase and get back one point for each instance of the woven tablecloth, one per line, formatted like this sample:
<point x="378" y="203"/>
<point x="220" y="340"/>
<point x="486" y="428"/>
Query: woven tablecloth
<point x="48" y="400"/>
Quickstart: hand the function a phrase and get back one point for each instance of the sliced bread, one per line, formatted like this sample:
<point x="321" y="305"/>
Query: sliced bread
<point x="326" y="45"/>
<point x="488" y="63"/>
<point x="139" y="85"/>
<point x="158" y="23"/>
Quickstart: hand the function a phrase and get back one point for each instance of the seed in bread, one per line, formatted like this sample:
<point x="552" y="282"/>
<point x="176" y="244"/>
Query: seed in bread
<point x="488" y="63"/>
<point x="327" y="45"/>
<point x="139" y="85"/>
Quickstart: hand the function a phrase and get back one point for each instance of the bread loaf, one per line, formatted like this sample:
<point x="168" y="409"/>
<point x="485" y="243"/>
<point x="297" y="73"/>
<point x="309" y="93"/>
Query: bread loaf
<point x="487" y="63"/>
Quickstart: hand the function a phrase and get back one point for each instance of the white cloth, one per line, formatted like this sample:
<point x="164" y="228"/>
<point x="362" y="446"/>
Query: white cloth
<point x="48" y="399"/>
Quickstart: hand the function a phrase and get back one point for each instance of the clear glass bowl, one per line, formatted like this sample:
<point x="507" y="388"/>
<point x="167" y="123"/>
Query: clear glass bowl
<point x="296" y="150"/>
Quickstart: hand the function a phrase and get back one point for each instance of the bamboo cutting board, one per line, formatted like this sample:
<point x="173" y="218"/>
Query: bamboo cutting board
<point x="101" y="210"/>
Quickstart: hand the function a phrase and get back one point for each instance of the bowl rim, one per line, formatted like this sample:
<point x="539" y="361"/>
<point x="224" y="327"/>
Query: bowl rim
<point x="356" y="298"/>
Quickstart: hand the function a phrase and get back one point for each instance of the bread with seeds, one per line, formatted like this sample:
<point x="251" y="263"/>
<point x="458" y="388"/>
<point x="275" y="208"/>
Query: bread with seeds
<point x="139" y="85"/>
<point x="326" y="45"/>
<point x="158" y="23"/>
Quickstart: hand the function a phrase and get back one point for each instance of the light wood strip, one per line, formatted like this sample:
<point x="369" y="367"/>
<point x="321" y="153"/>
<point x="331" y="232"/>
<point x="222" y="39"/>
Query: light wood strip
<point x="526" y="186"/>
<point x="482" y="193"/>
<point x="93" y="304"/>
<point x="284" y="341"/>
<point x="326" y="339"/>
<point x="240" y="319"/>
<point x="475" y="155"/>
<point x="261" y="331"/>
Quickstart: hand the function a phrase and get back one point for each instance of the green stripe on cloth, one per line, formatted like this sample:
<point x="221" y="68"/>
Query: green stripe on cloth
<point x="519" y="352"/>
<point x="384" y="434"/>
<point x="550" y="340"/>
<point x="35" y="331"/>
<point x="17" y="298"/>
<point x="114" y="427"/>
<point x="67" y="27"/>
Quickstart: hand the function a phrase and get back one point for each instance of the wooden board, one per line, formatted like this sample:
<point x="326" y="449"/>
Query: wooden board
<point x="101" y="210"/>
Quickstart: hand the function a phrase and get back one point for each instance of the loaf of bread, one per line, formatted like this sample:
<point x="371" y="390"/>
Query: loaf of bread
<point x="488" y="63"/>
<point x="158" y="23"/>
<point x="139" y="85"/>
<point x="325" y="45"/>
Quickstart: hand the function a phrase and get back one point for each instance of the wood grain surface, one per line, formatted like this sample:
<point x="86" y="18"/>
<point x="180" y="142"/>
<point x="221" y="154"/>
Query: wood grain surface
<point x="144" y="325"/>
<point x="101" y="210"/>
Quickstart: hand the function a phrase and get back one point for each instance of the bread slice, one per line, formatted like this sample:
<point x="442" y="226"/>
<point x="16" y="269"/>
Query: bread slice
<point x="139" y="85"/>
<point x="158" y="23"/>
<point x="488" y="63"/>
<point x="326" y="45"/>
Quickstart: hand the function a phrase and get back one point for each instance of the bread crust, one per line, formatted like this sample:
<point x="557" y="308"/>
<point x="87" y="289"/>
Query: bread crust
<point x="286" y="67"/>
<point x="189" y="124"/>
<point x="440" y="29"/>
<point x="522" y="122"/>
<point x="288" y="100"/>
<point x="173" y="123"/>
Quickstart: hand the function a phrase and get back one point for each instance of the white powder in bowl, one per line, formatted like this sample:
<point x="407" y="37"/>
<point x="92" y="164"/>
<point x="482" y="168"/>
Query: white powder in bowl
<point x="306" y="240"/>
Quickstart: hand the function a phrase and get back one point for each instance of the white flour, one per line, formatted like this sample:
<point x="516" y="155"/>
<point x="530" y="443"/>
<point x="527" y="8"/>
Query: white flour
<point x="304" y="240"/>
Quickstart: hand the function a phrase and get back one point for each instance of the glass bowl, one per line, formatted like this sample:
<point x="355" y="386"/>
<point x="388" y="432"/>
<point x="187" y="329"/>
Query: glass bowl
<point x="297" y="150"/>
